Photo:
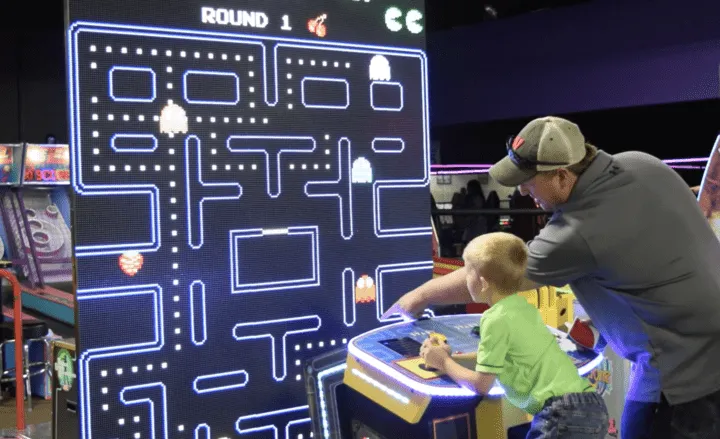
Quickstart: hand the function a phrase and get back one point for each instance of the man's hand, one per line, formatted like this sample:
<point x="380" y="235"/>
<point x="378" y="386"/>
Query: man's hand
<point x="409" y="307"/>
<point x="435" y="352"/>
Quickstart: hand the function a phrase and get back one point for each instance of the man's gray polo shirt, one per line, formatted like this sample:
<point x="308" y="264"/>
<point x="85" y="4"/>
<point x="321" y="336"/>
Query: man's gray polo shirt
<point x="643" y="261"/>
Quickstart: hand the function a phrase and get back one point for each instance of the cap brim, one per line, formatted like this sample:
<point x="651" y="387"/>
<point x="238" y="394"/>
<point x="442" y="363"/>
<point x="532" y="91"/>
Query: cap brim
<point x="506" y="173"/>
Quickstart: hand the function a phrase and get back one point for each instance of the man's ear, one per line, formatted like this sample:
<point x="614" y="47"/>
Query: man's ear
<point x="566" y="177"/>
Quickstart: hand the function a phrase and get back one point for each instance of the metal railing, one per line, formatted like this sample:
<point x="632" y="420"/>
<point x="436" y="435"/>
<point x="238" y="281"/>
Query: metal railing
<point x="18" y="324"/>
<point x="473" y="212"/>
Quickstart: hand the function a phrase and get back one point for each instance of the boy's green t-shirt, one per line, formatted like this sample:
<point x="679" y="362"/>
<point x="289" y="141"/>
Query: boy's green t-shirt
<point x="516" y="346"/>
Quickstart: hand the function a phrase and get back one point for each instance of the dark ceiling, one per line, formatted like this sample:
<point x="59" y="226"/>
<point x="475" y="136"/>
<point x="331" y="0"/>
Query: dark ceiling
<point x="440" y="14"/>
<point x="447" y="14"/>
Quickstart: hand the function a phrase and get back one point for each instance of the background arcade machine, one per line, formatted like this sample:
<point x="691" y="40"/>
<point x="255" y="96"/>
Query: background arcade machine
<point x="36" y="215"/>
<point x="11" y="166"/>
<point x="709" y="196"/>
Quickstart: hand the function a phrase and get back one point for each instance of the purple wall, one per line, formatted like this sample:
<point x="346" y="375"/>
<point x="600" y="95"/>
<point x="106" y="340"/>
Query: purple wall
<point x="604" y="54"/>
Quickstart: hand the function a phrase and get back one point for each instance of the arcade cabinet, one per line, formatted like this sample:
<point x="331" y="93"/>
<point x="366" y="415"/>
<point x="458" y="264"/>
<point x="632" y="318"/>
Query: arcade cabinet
<point x="708" y="196"/>
<point x="11" y="161"/>
<point x="378" y="388"/>
<point x="389" y="393"/>
<point x="36" y="215"/>
<point x="293" y="153"/>
<point x="11" y="155"/>
<point x="65" y="421"/>
<point x="384" y="371"/>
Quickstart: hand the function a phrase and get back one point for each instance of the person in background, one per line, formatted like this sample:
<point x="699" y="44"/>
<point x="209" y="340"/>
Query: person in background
<point x="459" y="221"/>
<point x="458" y="199"/>
<point x="636" y="249"/>
<point x="476" y="225"/>
<point x="493" y="202"/>
<point x="524" y="226"/>
<point x="435" y="226"/>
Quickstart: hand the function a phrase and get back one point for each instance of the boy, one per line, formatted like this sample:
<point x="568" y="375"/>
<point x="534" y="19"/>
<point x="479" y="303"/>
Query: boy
<point x="517" y="348"/>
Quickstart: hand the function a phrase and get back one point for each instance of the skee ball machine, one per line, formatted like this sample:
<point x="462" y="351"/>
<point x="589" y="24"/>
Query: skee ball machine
<point x="36" y="215"/>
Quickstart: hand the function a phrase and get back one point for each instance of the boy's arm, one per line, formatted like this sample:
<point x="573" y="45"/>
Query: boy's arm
<point x="492" y="350"/>
<point x="481" y="382"/>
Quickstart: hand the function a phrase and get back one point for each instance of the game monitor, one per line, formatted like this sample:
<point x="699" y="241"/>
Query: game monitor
<point x="251" y="190"/>
<point x="46" y="164"/>
<point x="10" y="163"/>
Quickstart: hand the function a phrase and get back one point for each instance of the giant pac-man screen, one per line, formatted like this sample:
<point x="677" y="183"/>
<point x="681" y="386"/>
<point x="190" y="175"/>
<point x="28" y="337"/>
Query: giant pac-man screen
<point x="252" y="190"/>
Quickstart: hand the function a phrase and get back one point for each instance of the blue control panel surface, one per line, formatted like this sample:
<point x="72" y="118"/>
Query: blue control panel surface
<point x="384" y="347"/>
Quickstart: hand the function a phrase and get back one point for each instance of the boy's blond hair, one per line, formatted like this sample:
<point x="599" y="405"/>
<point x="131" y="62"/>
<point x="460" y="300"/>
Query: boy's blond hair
<point x="501" y="258"/>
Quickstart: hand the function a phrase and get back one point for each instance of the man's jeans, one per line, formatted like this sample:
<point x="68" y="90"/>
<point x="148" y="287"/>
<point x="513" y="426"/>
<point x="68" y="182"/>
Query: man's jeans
<point x="699" y="419"/>
<point x="572" y="416"/>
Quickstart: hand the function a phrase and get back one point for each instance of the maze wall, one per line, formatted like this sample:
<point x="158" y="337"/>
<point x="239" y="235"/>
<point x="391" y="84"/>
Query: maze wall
<point x="244" y="202"/>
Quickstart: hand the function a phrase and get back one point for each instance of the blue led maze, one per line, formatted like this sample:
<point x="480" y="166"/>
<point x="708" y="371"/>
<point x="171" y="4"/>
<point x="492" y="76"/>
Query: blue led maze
<point x="250" y="203"/>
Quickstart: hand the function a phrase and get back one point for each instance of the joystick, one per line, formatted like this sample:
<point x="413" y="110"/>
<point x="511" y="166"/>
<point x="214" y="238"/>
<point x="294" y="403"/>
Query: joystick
<point x="427" y="368"/>
<point x="440" y="340"/>
<point x="439" y="337"/>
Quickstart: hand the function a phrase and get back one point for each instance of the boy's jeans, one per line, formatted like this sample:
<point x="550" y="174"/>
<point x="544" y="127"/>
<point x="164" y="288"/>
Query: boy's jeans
<point x="571" y="416"/>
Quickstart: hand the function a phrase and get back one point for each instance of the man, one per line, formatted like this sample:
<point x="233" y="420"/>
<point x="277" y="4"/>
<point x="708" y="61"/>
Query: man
<point x="642" y="260"/>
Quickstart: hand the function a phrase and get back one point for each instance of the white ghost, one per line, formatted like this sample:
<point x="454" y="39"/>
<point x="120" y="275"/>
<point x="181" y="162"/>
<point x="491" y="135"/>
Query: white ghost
<point x="173" y="119"/>
<point x="362" y="171"/>
<point x="379" y="68"/>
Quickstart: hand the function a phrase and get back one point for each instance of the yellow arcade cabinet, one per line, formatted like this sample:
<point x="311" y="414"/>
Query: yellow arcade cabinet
<point x="390" y="394"/>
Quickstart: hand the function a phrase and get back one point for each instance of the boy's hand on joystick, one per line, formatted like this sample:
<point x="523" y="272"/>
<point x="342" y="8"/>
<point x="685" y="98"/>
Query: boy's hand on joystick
<point x="435" y="352"/>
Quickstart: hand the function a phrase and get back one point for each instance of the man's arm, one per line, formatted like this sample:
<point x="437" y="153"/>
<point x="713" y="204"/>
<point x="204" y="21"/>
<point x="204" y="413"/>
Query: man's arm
<point x="558" y="256"/>
<point x="450" y="289"/>
<point x="528" y="285"/>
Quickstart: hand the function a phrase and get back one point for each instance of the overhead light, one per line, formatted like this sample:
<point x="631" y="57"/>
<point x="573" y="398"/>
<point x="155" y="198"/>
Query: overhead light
<point x="490" y="12"/>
